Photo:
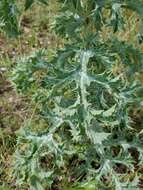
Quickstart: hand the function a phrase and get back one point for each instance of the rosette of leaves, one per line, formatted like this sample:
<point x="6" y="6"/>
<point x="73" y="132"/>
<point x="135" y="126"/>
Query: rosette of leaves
<point x="86" y="94"/>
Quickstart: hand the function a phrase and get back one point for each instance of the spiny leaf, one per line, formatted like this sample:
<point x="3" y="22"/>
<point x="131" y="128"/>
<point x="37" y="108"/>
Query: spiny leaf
<point x="110" y="111"/>
<point x="84" y="99"/>
<point x="97" y="138"/>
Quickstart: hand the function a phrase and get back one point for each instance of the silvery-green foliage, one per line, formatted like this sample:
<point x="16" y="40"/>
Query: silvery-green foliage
<point x="90" y="132"/>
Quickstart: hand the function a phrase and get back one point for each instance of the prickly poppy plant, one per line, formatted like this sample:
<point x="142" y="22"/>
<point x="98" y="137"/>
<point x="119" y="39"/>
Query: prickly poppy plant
<point x="86" y="95"/>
